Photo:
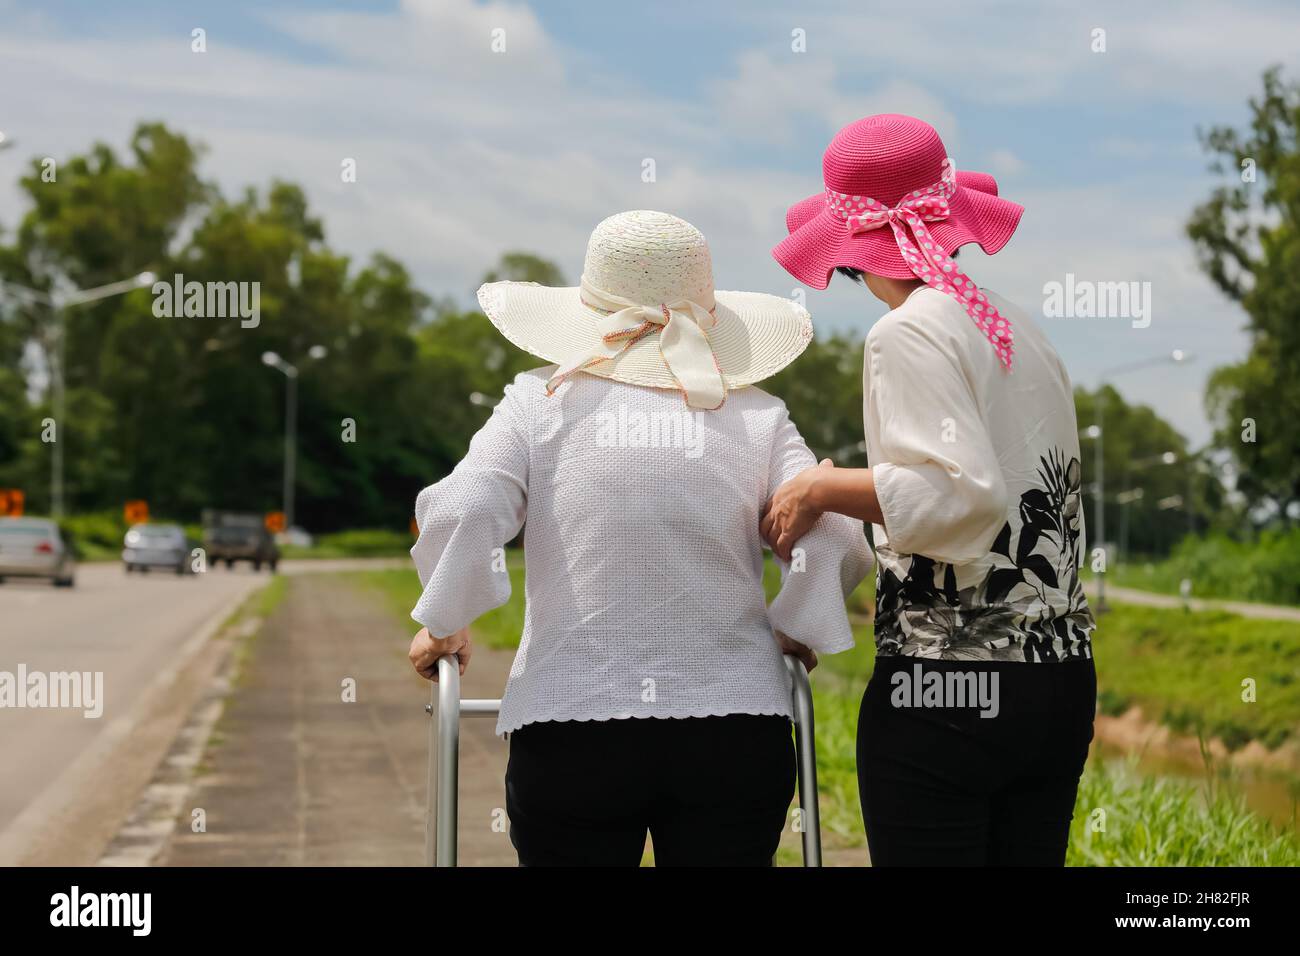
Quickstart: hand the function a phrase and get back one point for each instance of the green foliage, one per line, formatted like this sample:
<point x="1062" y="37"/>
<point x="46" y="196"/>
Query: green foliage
<point x="823" y="391"/>
<point x="525" y="267"/>
<point x="181" y="411"/>
<point x="1265" y="568"/>
<point x="1186" y="670"/>
<point x="96" y="536"/>
<point x="1160" y="821"/>
<point x="1247" y="239"/>
<point x="358" y="543"/>
<point x="1136" y="441"/>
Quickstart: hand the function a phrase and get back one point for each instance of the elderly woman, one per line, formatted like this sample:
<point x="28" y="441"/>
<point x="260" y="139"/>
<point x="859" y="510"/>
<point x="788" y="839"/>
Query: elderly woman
<point x="648" y="692"/>
<point x="976" y="722"/>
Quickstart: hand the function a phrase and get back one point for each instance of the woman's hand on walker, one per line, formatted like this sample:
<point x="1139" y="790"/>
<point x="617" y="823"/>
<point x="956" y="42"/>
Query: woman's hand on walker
<point x="426" y="649"/>
<point x="791" y="512"/>
<point x="805" y="653"/>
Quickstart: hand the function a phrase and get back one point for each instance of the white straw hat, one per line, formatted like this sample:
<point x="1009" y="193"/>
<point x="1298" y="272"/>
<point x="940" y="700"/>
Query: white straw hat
<point x="646" y="313"/>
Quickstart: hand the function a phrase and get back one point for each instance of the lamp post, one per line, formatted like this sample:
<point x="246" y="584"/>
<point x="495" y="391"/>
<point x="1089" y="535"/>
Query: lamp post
<point x="1098" y="431"/>
<point x="274" y="360"/>
<point x="58" y="303"/>
<point x="1125" y="497"/>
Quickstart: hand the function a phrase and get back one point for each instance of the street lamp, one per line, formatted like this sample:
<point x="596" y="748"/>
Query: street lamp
<point x="1098" y="431"/>
<point x="58" y="303"/>
<point x="1126" y="497"/>
<point x="273" y="360"/>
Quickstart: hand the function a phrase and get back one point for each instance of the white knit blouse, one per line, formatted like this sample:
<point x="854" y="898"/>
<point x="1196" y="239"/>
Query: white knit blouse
<point x="643" y="559"/>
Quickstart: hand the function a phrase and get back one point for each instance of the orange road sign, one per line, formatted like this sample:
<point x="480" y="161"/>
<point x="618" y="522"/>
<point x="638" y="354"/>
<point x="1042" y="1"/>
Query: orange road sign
<point x="11" y="502"/>
<point x="135" y="512"/>
<point x="275" y="522"/>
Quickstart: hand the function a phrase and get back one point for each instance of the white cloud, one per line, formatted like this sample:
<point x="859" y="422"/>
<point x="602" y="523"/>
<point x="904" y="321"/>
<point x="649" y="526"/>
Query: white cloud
<point x="1003" y="162"/>
<point x="463" y="153"/>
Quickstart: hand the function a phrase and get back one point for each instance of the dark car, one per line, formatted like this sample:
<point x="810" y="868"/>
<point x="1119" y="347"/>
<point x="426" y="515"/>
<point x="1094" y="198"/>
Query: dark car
<point x="156" y="546"/>
<point x="232" y="537"/>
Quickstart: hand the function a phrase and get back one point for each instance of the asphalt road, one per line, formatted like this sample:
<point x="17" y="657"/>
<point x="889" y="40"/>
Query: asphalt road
<point x="135" y="629"/>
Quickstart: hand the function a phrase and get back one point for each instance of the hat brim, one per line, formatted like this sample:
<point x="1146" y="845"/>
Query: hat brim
<point x="756" y="334"/>
<point x="818" y="242"/>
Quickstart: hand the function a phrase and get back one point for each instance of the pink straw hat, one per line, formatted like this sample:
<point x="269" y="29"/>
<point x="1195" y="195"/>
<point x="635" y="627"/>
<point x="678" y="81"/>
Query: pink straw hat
<point x="886" y="158"/>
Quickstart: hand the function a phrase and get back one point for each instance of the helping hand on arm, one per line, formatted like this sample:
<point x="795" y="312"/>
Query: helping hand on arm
<point x="795" y="507"/>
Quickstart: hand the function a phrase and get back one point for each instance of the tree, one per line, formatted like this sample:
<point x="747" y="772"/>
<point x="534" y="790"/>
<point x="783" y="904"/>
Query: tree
<point x="1147" y="462"/>
<point x="525" y="267"/>
<point x="823" y="391"/>
<point x="1247" y="238"/>
<point x="179" y="410"/>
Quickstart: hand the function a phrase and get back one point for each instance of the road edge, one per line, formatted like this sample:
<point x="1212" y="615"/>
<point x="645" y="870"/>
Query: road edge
<point x="77" y="815"/>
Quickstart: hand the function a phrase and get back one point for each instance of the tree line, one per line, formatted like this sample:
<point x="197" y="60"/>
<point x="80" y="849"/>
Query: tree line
<point x="183" y="413"/>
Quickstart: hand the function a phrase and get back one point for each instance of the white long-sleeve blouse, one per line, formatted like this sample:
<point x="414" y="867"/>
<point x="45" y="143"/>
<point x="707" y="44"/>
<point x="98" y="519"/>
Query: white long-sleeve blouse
<point x="643" y="559"/>
<point x="977" y="471"/>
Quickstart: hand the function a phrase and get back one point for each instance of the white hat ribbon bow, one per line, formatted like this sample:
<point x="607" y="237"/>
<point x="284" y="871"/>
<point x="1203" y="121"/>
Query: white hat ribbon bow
<point x="683" y="342"/>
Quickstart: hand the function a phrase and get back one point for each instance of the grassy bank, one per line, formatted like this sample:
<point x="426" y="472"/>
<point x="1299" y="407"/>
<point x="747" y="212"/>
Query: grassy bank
<point x="1184" y="669"/>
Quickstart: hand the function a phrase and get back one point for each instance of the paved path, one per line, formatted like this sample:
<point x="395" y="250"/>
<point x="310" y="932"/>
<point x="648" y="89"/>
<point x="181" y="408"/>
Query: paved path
<point x="296" y="776"/>
<point x="1276" y="612"/>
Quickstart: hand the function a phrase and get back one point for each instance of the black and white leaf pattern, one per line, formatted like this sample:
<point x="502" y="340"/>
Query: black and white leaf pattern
<point x="1028" y="607"/>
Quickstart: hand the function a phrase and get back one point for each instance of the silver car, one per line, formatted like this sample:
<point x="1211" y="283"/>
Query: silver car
<point x="35" y="548"/>
<point x="156" y="546"/>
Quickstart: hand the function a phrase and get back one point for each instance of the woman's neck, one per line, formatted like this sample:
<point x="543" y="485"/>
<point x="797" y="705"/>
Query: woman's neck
<point x="892" y="292"/>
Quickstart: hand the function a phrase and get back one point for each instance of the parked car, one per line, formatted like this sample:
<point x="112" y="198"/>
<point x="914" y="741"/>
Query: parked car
<point x="231" y="536"/>
<point x="156" y="546"/>
<point x="295" y="537"/>
<point x="36" y="548"/>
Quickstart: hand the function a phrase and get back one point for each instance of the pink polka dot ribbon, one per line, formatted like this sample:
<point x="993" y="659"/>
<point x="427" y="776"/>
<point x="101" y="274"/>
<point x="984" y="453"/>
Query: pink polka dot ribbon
<point x="927" y="259"/>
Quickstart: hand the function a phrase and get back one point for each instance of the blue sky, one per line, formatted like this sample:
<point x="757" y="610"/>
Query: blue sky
<point x="463" y="153"/>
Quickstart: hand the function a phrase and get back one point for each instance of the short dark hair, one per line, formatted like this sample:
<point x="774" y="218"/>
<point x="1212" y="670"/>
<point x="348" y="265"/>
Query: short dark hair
<point x="858" y="275"/>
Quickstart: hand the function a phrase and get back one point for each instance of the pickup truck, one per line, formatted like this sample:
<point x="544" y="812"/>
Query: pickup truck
<point x="231" y="536"/>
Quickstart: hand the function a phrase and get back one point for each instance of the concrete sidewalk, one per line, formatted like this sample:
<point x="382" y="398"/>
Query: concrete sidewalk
<point x="294" y="775"/>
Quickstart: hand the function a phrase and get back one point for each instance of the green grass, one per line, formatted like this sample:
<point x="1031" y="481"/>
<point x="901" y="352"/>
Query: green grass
<point x="1186" y="670"/>
<point x="1122" y="818"/>
<point x="359" y="543"/>
<point x="498" y="629"/>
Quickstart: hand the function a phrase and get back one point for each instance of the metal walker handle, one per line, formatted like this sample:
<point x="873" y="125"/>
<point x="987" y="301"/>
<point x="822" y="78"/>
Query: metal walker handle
<point x="444" y="760"/>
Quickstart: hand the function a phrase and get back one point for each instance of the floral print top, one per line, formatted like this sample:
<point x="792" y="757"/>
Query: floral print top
<point x="978" y="474"/>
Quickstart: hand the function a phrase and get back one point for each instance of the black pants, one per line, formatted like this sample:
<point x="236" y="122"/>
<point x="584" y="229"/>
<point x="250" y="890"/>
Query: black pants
<point x="712" y="791"/>
<point x="945" y="786"/>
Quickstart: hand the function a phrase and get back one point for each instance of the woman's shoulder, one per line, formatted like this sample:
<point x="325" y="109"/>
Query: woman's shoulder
<point x="935" y="318"/>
